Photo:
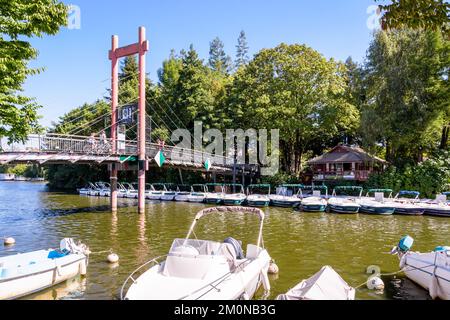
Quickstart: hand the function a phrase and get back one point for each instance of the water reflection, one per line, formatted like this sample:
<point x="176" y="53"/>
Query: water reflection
<point x="300" y="243"/>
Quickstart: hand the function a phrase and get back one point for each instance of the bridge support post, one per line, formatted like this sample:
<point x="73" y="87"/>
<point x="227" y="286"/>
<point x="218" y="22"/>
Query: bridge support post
<point x="114" y="103"/>
<point x="142" y="115"/>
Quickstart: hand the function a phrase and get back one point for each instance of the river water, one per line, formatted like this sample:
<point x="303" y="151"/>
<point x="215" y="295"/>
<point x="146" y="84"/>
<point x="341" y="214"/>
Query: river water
<point x="300" y="243"/>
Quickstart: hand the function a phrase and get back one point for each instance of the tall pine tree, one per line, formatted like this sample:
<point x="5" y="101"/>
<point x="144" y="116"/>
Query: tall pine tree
<point x="218" y="59"/>
<point x="241" y="51"/>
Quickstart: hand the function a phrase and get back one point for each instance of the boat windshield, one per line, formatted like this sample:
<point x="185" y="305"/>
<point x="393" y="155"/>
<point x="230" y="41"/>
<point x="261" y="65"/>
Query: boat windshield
<point x="198" y="188"/>
<point x="347" y="191"/>
<point x="314" y="191"/>
<point x="233" y="188"/>
<point x="258" y="189"/>
<point x="159" y="186"/>
<point x="214" y="187"/>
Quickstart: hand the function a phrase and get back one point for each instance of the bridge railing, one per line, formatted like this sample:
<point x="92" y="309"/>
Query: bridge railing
<point x="82" y="145"/>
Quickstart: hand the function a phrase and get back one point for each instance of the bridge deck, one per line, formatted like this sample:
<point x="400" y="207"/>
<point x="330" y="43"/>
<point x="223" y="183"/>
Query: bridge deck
<point x="63" y="149"/>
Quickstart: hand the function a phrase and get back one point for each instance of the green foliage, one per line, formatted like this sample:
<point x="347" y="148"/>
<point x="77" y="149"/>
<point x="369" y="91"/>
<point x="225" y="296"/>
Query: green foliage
<point x="19" y="20"/>
<point x="241" y="51"/>
<point x="295" y="89"/>
<point x="218" y="60"/>
<point x="407" y="93"/>
<point x="427" y="14"/>
<point x="70" y="177"/>
<point x="429" y="177"/>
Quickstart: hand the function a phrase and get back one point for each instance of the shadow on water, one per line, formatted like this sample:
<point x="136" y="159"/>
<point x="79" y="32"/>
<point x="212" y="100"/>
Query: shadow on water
<point x="44" y="212"/>
<point x="402" y="288"/>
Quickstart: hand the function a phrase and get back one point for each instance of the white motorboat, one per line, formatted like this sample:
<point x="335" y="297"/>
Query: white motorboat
<point x="27" y="273"/>
<point x="327" y="284"/>
<point x="346" y="203"/>
<point x="407" y="206"/>
<point x="169" y="194"/>
<point x="258" y="199"/>
<point x="95" y="191"/>
<point x="234" y="198"/>
<point x="286" y="196"/>
<point x="315" y="201"/>
<point x="86" y="191"/>
<point x="126" y="190"/>
<point x="429" y="270"/>
<point x="132" y="192"/>
<point x="183" y="192"/>
<point x="377" y="204"/>
<point x="156" y="191"/>
<point x="198" y="193"/>
<point x="203" y="269"/>
<point x="439" y="207"/>
<point x="105" y="190"/>
<point x="215" y="193"/>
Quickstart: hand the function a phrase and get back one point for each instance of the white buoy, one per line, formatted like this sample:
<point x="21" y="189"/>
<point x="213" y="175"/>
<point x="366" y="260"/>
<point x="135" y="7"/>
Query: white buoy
<point x="113" y="258"/>
<point x="375" y="283"/>
<point x="273" y="268"/>
<point x="9" y="241"/>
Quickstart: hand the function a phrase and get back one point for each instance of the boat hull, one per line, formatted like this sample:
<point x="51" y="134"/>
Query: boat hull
<point x="429" y="270"/>
<point x="409" y="211"/>
<point x="313" y="207"/>
<point x="343" y="209"/>
<point x="284" y="204"/>
<point x="233" y="202"/>
<point x="258" y="203"/>
<point x="376" y="210"/>
<point x="42" y="276"/>
<point x="437" y="212"/>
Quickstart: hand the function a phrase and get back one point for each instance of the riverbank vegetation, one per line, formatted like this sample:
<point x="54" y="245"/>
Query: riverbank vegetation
<point x="394" y="104"/>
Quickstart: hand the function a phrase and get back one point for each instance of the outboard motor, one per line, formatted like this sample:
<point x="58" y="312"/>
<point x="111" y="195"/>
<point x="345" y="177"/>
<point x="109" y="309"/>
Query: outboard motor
<point x="237" y="245"/>
<point x="403" y="246"/>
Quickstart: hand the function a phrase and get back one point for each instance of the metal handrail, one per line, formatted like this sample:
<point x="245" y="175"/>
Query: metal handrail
<point x="131" y="276"/>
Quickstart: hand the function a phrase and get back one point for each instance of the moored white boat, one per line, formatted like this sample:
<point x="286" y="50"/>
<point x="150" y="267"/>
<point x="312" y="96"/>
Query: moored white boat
<point x="169" y="194"/>
<point x="183" y="192"/>
<point x="440" y="207"/>
<point x="234" y="198"/>
<point x="344" y="204"/>
<point x="315" y="202"/>
<point x="198" y="193"/>
<point x="86" y="191"/>
<point x="429" y="270"/>
<point x="258" y="199"/>
<point x="287" y="196"/>
<point x="27" y="273"/>
<point x="376" y="204"/>
<point x="327" y="284"/>
<point x="203" y="269"/>
<point x="215" y="193"/>
<point x="407" y="206"/>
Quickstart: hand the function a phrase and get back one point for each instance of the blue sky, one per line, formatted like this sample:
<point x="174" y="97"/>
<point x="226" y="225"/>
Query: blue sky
<point x="76" y="61"/>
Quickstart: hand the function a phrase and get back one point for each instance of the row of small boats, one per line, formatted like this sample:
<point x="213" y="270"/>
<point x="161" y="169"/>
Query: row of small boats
<point x="197" y="269"/>
<point x="344" y="199"/>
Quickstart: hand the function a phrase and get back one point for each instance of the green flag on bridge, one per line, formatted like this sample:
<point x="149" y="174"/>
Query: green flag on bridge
<point x="160" y="159"/>
<point x="207" y="164"/>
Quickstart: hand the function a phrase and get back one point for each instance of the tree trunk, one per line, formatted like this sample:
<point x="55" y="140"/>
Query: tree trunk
<point x="444" y="138"/>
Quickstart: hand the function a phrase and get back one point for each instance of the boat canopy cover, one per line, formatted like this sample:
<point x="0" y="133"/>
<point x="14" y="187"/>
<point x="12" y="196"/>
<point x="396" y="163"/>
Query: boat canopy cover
<point x="224" y="209"/>
<point x="378" y="190"/>
<point x="322" y="187"/>
<point x="409" y="193"/>
<point x="348" y="188"/>
<point x="327" y="284"/>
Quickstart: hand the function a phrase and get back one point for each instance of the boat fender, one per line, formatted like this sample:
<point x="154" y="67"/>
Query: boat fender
<point x="9" y="241"/>
<point x="83" y="269"/>
<point x="375" y="283"/>
<point x="265" y="281"/>
<point x="273" y="268"/>
<point x="112" y="258"/>
<point x="245" y="296"/>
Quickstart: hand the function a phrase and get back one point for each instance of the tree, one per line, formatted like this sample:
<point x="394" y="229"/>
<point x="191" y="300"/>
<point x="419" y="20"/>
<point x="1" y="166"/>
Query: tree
<point x="20" y="19"/>
<point x="427" y="14"/>
<point x="295" y="89"/>
<point x="407" y="88"/>
<point x="241" y="51"/>
<point x="218" y="60"/>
